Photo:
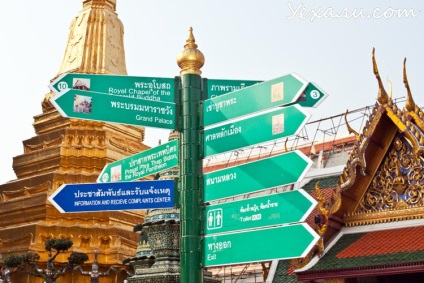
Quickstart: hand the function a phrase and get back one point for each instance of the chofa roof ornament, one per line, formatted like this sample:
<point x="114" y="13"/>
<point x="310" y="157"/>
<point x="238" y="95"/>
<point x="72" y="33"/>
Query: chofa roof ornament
<point x="383" y="98"/>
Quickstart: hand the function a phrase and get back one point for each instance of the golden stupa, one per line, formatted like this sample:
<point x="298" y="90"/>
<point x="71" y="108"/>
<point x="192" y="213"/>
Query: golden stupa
<point x="66" y="151"/>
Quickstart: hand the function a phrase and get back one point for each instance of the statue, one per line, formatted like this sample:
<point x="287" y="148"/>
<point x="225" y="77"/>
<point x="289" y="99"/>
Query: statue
<point x="50" y="274"/>
<point x="94" y="273"/>
<point x="5" y="274"/>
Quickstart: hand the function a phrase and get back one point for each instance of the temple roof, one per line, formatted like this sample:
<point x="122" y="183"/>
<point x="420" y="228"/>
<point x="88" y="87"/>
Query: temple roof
<point x="370" y="253"/>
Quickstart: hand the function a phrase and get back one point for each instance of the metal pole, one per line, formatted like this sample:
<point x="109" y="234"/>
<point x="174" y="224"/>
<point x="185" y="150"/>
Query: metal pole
<point x="190" y="60"/>
<point x="190" y="176"/>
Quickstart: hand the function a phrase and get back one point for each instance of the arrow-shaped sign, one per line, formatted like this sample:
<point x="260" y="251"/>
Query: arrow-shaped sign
<point x="142" y="164"/>
<point x="270" y="210"/>
<point x="279" y="123"/>
<point x="102" y="107"/>
<point x="312" y="96"/>
<point x="283" y="242"/>
<point x="148" y="88"/>
<point x="277" y="92"/>
<point x="99" y="197"/>
<point x="279" y="170"/>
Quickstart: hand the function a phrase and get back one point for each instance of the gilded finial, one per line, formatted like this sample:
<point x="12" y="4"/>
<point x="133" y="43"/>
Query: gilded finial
<point x="191" y="42"/>
<point x="191" y="59"/>
<point x="349" y="128"/>
<point x="410" y="103"/>
<point x="382" y="94"/>
<point x="109" y="4"/>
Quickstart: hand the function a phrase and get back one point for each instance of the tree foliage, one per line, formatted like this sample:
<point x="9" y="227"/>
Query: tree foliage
<point x="60" y="245"/>
<point x="77" y="258"/>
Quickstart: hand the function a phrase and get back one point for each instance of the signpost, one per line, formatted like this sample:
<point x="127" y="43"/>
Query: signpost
<point x="148" y="88"/>
<point x="270" y="210"/>
<point x="277" y="92"/>
<point x="97" y="106"/>
<point x="99" y="197"/>
<point x="142" y="164"/>
<point x="283" y="242"/>
<point x="151" y="102"/>
<point x="277" y="124"/>
<point x="255" y="176"/>
<point x="219" y="87"/>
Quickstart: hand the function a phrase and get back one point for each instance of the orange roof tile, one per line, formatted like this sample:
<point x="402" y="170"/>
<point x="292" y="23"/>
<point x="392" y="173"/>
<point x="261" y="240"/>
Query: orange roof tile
<point x="385" y="242"/>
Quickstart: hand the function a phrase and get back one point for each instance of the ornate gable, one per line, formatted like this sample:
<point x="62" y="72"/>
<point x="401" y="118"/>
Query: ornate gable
<point x="395" y="192"/>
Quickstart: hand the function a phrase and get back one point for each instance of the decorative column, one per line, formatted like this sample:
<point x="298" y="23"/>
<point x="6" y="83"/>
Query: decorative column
<point x="190" y="60"/>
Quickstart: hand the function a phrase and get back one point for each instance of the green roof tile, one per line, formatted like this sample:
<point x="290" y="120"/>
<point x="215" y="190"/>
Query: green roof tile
<point x="281" y="274"/>
<point x="327" y="182"/>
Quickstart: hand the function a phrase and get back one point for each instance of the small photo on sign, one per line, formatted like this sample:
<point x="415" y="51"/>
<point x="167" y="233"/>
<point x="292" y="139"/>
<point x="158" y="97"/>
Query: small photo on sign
<point x="277" y="124"/>
<point x="82" y="104"/>
<point x="277" y="92"/>
<point x="115" y="173"/>
<point x="302" y="97"/>
<point x="81" y="84"/>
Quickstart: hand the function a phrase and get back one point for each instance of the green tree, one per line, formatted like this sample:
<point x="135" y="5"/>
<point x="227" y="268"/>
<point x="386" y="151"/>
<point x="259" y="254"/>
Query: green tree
<point x="27" y="262"/>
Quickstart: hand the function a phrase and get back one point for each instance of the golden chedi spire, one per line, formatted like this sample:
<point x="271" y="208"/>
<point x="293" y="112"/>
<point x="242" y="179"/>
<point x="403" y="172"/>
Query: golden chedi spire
<point x="410" y="103"/>
<point x="95" y="42"/>
<point x="383" y="98"/>
<point x="191" y="59"/>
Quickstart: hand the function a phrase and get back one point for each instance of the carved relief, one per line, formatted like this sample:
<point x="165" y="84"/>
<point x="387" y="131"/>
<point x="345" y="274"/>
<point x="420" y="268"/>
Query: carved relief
<point x="114" y="40"/>
<point x="399" y="183"/>
<point x="75" y="41"/>
<point x="45" y="144"/>
<point x="104" y="242"/>
<point x="10" y="244"/>
<point x="85" y="241"/>
<point x="103" y="55"/>
<point x="26" y="191"/>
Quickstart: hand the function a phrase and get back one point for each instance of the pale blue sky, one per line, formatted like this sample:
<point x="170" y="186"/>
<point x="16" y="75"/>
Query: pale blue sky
<point x="241" y="39"/>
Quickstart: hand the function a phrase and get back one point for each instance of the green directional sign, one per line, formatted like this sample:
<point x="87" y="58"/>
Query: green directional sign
<point x="283" y="242"/>
<point x="279" y="170"/>
<point x="97" y="106"/>
<point x="149" y="88"/>
<point x="312" y="96"/>
<point x="142" y="164"/>
<point x="279" y="123"/>
<point x="270" y="210"/>
<point x="280" y="91"/>
<point x="219" y="87"/>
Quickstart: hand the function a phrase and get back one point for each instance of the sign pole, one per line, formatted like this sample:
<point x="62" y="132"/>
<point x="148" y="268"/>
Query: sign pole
<point x="191" y="163"/>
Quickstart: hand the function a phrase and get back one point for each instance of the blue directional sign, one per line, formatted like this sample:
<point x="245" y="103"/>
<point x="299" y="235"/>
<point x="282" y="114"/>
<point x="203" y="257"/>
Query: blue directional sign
<point x="99" y="197"/>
